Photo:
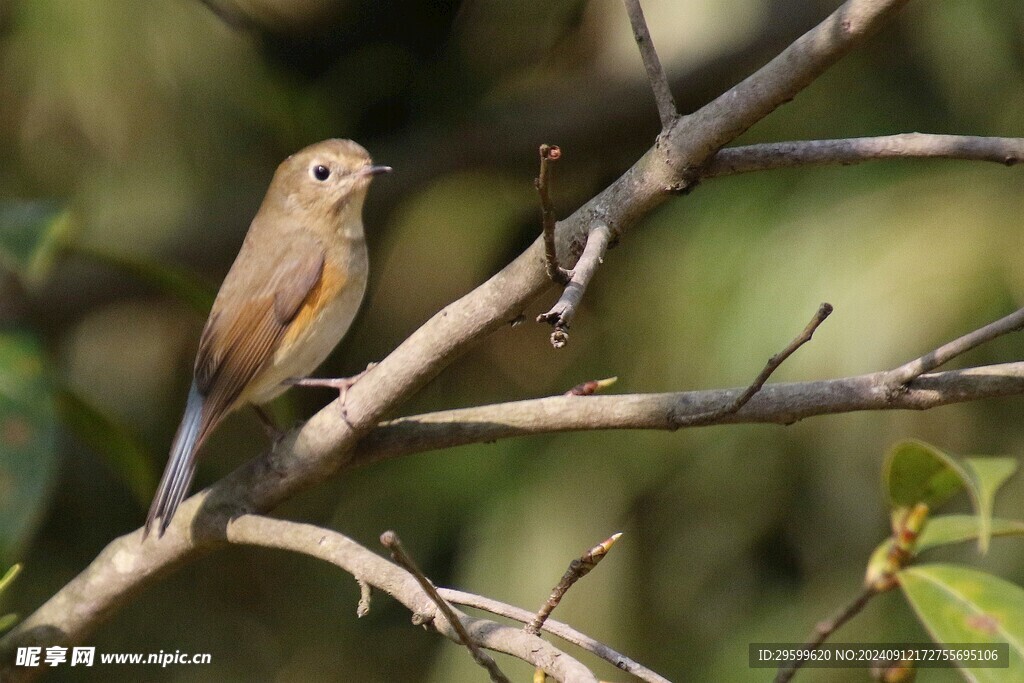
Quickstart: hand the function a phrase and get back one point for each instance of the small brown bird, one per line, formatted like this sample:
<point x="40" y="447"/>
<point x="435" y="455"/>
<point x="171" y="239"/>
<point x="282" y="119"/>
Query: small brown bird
<point x="287" y="301"/>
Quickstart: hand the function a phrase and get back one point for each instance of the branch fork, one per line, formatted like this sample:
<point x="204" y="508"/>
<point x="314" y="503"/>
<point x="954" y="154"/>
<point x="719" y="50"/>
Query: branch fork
<point x="732" y="407"/>
<point x="898" y="379"/>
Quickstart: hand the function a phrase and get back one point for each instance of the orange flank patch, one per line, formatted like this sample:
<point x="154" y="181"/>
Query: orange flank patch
<point x="332" y="279"/>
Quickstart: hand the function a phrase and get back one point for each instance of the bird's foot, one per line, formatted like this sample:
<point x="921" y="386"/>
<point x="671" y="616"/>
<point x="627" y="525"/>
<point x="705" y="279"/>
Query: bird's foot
<point x="342" y="384"/>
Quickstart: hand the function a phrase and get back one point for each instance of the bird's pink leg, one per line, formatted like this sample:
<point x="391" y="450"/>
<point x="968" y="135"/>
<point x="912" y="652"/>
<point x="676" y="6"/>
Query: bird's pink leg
<point x="342" y="384"/>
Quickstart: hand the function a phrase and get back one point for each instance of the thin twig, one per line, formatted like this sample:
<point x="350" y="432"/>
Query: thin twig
<point x="578" y="568"/>
<point x="826" y="628"/>
<point x="556" y="628"/>
<point x="655" y="72"/>
<point x="548" y="155"/>
<point x="390" y="540"/>
<point x="365" y="595"/>
<point x="879" y="578"/>
<point x="774" y="155"/>
<point x="824" y="311"/>
<point x="591" y="387"/>
<point x="945" y="353"/>
<point x="564" y="310"/>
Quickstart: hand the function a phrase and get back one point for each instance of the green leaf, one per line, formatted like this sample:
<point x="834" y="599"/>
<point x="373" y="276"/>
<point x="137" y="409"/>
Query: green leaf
<point x="919" y="472"/>
<point x="987" y="475"/>
<point x="174" y="282"/>
<point x="31" y="236"/>
<point x="916" y="472"/>
<point x="951" y="529"/>
<point x="122" y="451"/>
<point x="28" y="454"/>
<point x="961" y="605"/>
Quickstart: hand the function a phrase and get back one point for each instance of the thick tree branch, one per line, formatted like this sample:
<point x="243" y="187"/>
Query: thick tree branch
<point x="780" y="404"/>
<point x="773" y="155"/>
<point x="325" y="443"/>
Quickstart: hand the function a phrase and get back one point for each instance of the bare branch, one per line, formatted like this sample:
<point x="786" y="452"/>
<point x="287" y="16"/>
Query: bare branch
<point x="390" y="540"/>
<point x="780" y="404"/>
<point x="548" y="155"/>
<point x="947" y="352"/>
<point x="591" y="111"/>
<point x="578" y="568"/>
<point x="126" y="564"/>
<point x="655" y="72"/>
<point x="774" y="155"/>
<point x="824" y="311"/>
<point x="564" y="310"/>
<point x="367" y="566"/>
<point x="557" y="628"/>
<point x="725" y="118"/>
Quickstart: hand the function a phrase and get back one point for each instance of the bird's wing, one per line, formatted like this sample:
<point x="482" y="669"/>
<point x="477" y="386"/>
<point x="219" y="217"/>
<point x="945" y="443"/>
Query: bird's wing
<point x="250" y="316"/>
<point x="254" y="307"/>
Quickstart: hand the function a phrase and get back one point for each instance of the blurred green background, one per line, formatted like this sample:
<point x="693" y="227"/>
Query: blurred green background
<point x="137" y="138"/>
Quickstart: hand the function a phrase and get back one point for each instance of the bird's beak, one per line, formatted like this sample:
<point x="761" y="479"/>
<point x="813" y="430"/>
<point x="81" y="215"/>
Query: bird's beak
<point x="375" y="170"/>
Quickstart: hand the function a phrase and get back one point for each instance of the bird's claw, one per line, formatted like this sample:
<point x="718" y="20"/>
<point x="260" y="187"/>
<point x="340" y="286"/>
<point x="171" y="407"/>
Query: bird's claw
<point x="342" y="384"/>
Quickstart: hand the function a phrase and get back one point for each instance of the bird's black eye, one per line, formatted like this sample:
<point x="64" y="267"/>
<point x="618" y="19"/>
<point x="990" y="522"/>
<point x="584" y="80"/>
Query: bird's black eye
<point x="321" y="172"/>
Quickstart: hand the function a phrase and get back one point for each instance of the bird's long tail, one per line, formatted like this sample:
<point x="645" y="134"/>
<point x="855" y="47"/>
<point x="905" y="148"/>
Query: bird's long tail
<point x="181" y="465"/>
